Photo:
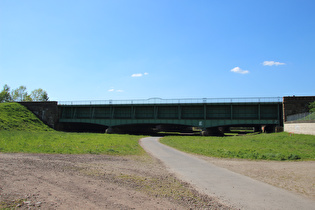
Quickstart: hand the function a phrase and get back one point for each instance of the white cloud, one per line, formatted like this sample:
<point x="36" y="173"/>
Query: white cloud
<point x="239" y="70"/>
<point x="113" y="90"/>
<point x="272" y="63"/>
<point x="139" y="74"/>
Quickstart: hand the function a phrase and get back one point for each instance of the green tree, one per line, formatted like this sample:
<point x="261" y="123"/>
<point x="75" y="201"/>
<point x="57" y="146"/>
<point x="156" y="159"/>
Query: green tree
<point x="312" y="107"/>
<point x="45" y="97"/>
<point x="39" y="95"/>
<point x="28" y="98"/>
<point x="5" y="95"/>
<point x="20" y="94"/>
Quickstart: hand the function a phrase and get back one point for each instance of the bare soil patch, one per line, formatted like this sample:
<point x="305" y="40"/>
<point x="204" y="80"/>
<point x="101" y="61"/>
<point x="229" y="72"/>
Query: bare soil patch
<point x="294" y="176"/>
<point x="50" y="181"/>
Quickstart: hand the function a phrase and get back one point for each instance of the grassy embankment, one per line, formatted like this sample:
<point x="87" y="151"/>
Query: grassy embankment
<point x="276" y="146"/>
<point x="22" y="131"/>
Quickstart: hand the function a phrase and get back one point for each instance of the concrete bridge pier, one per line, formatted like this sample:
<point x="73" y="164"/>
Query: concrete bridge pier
<point x="225" y="129"/>
<point x="213" y="131"/>
<point x="258" y="128"/>
<point x="268" y="128"/>
<point x="112" y="130"/>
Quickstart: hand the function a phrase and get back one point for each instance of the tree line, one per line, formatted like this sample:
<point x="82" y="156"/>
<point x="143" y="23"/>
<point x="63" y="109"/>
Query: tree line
<point x="20" y="94"/>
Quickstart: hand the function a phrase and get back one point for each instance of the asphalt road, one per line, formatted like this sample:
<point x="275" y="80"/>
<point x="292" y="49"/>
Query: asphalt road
<point x="234" y="189"/>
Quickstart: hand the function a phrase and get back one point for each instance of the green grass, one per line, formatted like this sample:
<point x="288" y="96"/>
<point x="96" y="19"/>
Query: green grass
<point x="11" y="204"/>
<point x="22" y="131"/>
<point x="69" y="143"/>
<point x="14" y="116"/>
<point x="276" y="146"/>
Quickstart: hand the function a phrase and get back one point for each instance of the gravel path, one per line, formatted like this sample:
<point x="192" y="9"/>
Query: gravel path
<point x="234" y="189"/>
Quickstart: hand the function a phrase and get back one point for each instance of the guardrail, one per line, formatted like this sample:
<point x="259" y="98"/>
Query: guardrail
<point x="173" y="101"/>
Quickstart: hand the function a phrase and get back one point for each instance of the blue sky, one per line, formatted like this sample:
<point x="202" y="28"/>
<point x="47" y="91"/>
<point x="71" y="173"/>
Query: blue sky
<point x="138" y="49"/>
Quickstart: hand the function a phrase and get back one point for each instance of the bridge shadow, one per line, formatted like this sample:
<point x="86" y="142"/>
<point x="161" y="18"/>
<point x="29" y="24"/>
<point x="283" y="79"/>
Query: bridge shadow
<point x="153" y="130"/>
<point x="175" y="134"/>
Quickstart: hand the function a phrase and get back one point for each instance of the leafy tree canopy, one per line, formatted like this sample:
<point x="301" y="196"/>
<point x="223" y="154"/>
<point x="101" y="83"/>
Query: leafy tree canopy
<point x="39" y="95"/>
<point x="5" y="95"/>
<point x="20" y="94"/>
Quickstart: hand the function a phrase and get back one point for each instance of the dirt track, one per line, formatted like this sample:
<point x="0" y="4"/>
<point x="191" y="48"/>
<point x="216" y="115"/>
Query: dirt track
<point x="45" y="181"/>
<point x="105" y="182"/>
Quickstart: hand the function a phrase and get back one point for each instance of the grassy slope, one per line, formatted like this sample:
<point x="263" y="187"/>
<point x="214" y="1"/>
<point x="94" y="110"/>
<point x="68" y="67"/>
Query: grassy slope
<point x="276" y="146"/>
<point x="22" y="131"/>
<point x="14" y="116"/>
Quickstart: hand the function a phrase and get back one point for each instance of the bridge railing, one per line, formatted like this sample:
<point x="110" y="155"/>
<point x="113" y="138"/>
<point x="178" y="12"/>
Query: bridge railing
<point x="173" y="101"/>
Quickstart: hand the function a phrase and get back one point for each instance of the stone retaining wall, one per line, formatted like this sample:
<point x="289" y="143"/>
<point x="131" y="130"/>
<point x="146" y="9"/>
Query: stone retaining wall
<point x="45" y="111"/>
<point x="295" y="105"/>
<point x="300" y="128"/>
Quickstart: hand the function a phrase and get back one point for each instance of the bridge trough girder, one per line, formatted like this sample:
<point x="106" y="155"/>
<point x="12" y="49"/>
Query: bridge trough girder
<point x="204" y="116"/>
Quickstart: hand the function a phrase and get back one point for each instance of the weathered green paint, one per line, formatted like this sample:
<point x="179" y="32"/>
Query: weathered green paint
<point x="197" y="115"/>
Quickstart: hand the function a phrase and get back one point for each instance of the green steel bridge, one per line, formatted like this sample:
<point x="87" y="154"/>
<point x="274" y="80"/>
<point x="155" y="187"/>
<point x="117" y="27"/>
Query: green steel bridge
<point x="157" y="114"/>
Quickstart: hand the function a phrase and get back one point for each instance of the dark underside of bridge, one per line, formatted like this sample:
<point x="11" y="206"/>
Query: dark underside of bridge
<point x="210" y="118"/>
